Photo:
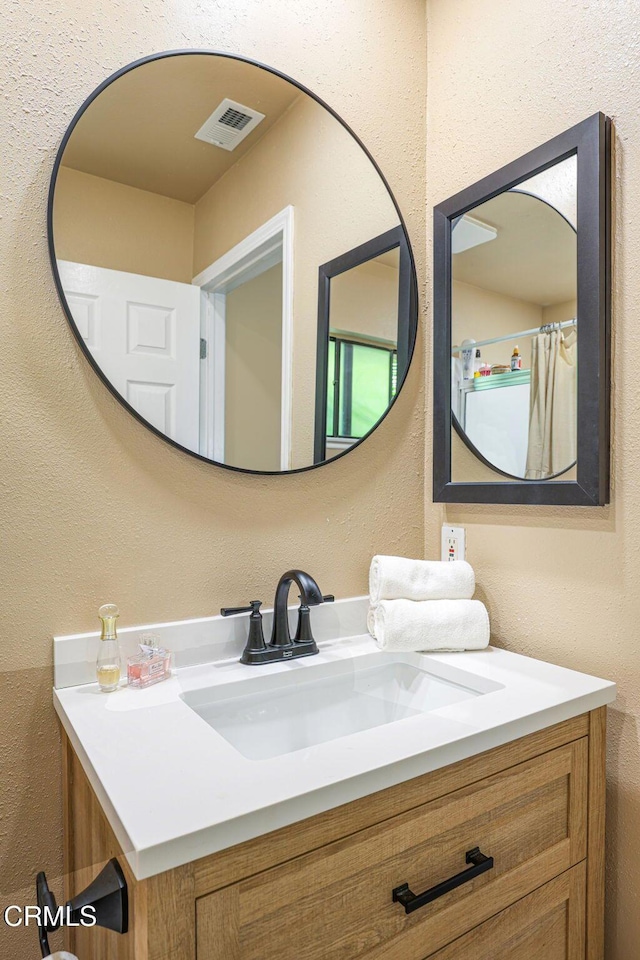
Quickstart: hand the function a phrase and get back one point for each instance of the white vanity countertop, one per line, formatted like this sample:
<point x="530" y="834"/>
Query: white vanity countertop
<point x="175" y="790"/>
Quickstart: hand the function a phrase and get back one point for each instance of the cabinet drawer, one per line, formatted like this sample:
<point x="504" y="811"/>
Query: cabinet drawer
<point x="336" y="902"/>
<point x="549" y="924"/>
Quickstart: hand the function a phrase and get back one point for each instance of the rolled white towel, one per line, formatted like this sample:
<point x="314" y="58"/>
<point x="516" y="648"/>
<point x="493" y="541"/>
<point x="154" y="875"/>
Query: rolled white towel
<point x="371" y="620"/>
<point x="430" y="625"/>
<point x="61" y="955"/>
<point x="398" y="578"/>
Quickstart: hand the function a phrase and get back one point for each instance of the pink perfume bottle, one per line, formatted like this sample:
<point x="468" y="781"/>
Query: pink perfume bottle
<point x="151" y="665"/>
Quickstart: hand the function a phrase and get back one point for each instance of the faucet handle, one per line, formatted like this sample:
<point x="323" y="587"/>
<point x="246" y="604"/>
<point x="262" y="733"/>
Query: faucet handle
<point x="303" y="631"/>
<point x="254" y="607"/>
<point x="255" y="641"/>
<point x="327" y="598"/>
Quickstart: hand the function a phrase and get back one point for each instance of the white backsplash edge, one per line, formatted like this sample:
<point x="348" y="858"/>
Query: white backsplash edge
<point x="201" y="641"/>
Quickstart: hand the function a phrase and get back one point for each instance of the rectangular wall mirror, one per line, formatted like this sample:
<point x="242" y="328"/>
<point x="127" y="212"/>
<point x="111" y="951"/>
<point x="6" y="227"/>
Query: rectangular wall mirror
<point x="521" y="329"/>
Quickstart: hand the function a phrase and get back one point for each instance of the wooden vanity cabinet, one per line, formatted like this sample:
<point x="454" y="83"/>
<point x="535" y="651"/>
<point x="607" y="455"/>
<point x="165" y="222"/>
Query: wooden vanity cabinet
<point x="322" y="889"/>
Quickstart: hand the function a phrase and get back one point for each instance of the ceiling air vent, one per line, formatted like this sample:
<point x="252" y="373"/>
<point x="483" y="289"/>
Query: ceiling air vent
<point x="229" y="124"/>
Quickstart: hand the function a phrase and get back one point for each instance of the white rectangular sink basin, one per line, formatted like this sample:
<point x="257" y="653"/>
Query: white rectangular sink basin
<point x="272" y="714"/>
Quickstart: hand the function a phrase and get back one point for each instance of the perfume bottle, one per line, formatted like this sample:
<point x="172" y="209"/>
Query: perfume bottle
<point x="108" y="661"/>
<point x="151" y="665"/>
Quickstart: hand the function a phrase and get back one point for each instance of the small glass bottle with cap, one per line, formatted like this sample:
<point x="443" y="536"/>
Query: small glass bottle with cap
<point x="516" y="359"/>
<point x="108" y="661"/>
<point x="151" y="665"/>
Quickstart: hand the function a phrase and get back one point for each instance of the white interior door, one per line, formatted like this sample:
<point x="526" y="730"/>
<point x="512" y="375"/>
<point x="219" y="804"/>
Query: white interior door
<point x="145" y="336"/>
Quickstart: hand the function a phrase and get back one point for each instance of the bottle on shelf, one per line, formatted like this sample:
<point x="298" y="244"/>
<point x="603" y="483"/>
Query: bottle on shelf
<point x="467" y="355"/>
<point x="516" y="359"/>
<point x="477" y="364"/>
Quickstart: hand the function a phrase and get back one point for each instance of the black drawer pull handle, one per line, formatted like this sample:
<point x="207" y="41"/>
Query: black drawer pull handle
<point x="413" y="901"/>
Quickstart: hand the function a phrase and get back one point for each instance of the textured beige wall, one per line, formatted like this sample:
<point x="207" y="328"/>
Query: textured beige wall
<point x="94" y="506"/>
<point x="110" y="224"/>
<point x="560" y="583"/>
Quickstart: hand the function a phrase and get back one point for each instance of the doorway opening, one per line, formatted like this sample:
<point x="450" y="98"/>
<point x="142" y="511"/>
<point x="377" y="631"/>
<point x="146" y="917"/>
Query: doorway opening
<point x="246" y="355"/>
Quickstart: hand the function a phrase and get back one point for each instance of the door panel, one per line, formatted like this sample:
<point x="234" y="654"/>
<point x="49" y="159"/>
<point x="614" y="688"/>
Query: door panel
<point x="145" y="335"/>
<point x="549" y="924"/>
<point x="336" y="902"/>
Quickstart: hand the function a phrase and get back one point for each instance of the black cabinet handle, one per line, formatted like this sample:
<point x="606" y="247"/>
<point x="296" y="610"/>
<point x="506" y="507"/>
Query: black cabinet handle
<point x="413" y="901"/>
<point x="106" y="895"/>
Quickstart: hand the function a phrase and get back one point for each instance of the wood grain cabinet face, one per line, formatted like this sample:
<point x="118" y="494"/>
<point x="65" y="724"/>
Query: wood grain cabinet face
<point x="335" y="903"/>
<point x="549" y="924"/>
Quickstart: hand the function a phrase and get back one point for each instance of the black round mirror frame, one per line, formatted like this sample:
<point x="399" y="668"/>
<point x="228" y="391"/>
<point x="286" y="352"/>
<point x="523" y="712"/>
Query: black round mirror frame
<point x="457" y="426"/>
<point x="413" y="318"/>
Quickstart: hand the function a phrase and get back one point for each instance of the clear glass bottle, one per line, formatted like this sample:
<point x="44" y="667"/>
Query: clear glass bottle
<point x="151" y="665"/>
<point x="108" y="661"/>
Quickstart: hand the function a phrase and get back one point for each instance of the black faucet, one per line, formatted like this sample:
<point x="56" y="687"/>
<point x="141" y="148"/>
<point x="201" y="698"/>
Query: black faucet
<point x="281" y="646"/>
<point x="310" y="596"/>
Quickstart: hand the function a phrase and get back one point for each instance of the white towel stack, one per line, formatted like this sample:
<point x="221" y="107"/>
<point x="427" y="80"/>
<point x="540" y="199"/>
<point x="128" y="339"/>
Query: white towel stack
<point x="425" y="605"/>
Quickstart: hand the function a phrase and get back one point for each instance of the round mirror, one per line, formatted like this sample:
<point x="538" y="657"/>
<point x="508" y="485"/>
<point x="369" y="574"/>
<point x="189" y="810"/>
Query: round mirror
<point x="232" y="262"/>
<point x="514" y="333"/>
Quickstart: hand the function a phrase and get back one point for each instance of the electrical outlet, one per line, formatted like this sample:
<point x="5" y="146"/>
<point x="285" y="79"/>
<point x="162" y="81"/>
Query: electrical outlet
<point x="453" y="543"/>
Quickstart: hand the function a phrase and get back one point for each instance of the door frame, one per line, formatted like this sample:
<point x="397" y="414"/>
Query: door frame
<point x="262" y="249"/>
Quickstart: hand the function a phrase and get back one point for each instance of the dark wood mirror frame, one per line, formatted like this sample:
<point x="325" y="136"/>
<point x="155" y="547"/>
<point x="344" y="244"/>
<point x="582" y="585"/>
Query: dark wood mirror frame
<point x="591" y="141"/>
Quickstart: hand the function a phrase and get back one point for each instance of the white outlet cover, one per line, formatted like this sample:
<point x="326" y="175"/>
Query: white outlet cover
<point x="453" y="542"/>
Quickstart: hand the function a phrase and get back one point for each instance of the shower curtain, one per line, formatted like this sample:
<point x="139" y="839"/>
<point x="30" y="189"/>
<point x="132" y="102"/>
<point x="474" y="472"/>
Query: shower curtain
<point x="553" y="404"/>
